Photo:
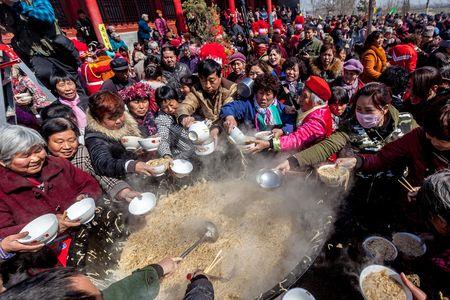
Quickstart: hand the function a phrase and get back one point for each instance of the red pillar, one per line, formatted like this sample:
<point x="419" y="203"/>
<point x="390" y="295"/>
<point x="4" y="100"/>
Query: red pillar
<point x="232" y="7"/>
<point x="181" y="25"/>
<point x="269" y="10"/>
<point x="95" y="15"/>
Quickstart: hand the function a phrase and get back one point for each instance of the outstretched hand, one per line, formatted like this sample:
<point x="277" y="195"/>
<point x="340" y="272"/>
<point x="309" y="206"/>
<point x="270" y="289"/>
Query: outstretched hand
<point x="11" y="244"/>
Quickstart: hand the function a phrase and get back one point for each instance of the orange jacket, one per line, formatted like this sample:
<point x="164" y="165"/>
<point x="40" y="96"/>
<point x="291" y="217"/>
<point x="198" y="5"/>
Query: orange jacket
<point x="374" y="62"/>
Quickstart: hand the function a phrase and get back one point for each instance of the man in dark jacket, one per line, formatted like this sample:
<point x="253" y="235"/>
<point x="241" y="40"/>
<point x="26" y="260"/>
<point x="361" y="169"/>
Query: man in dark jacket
<point x="144" y="31"/>
<point x="173" y="70"/>
<point x="38" y="40"/>
<point x="121" y="78"/>
<point x="85" y="31"/>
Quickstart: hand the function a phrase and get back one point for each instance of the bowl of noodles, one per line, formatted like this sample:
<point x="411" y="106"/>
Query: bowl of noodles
<point x="333" y="175"/>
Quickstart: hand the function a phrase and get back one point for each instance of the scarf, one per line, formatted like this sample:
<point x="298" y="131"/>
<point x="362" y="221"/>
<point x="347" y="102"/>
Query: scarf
<point x="350" y="88"/>
<point x="267" y="116"/>
<point x="148" y="123"/>
<point x="79" y="113"/>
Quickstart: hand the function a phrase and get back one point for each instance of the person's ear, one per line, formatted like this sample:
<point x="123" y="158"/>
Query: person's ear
<point x="440" y="224"/>
<point x="2" y="164"/>
<point x="385" y="109"/>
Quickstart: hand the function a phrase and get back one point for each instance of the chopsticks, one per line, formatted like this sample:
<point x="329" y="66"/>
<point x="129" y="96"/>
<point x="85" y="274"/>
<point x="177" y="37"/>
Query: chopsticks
<point x="215" y="261"/>
<point x="406" y="184"/>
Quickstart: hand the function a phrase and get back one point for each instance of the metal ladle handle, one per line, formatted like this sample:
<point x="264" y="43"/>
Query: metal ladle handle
<point x="195" y="245"/>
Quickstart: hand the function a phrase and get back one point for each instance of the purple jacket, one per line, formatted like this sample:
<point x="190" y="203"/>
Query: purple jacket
<point x="161" y="26"/>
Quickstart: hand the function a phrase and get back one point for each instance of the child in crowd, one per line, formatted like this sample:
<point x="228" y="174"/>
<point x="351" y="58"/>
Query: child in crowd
<point x="338" y="104"/>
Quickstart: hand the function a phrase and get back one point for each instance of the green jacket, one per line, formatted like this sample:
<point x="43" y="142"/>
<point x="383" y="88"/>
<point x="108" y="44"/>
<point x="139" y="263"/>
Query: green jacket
<point x="141" y="284"/>
<point x="359" y="139"/>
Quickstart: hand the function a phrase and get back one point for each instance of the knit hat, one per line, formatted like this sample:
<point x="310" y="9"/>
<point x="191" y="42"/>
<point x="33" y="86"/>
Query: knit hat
<point x="119" y="64"/>
<point x="428" y="31"/>
<point x="236" y="56"/>
<point x="353" y="65"/>
<point x="319" y="87"/>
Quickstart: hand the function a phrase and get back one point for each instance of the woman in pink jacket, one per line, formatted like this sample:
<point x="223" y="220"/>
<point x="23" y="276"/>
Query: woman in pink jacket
<point x="313" y="124"/>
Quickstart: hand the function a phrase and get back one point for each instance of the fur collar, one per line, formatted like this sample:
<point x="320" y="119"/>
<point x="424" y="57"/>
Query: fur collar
<point x="335" y="67"/>
<point x="129" y="128"/>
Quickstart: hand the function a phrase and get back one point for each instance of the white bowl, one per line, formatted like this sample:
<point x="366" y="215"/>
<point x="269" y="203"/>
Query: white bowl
<point x="377" y="268"/>
<point x="83" y="210"/>
<point x="237" y="137"/>
<point x="198" y="132"/>
<point x="41" y="230"/>
<point x="181" y="168"/>
<point x="150" y="144"/>
<point x="205" y="149"/>
<point x="132" y="142"/>
<point x="369" y="251"/>
<point x="412" y="237"/>
<point x="264" y="135"/>
<point x="142" y="205"/>
<point x="298" y="294"/>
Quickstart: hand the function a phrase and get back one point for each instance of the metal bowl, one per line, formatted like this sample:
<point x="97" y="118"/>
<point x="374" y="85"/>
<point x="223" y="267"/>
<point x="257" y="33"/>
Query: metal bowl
<point x="269" y="178"/>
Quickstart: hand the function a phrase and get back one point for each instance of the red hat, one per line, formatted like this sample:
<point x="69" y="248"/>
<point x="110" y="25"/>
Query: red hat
<point x="319" y="87"/>
<point x="214" y="51"/>
<point x="260" y="26"/>
<point x="299" y="20"/>
<point x="278" y="26"/>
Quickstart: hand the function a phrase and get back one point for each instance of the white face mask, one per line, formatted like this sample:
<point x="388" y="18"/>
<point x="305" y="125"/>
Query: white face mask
<point x="368" y="120"/>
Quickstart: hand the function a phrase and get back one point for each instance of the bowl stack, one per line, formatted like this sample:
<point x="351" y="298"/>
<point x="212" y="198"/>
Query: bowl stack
<point x="199" y="135"/>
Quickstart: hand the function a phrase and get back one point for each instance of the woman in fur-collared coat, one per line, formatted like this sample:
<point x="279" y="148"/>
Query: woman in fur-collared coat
<point x="326" y="65"/>
<point x="107" y="125"/>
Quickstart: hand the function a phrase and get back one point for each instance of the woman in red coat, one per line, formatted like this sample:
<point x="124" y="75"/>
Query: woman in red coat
<point x="33" y="184"/>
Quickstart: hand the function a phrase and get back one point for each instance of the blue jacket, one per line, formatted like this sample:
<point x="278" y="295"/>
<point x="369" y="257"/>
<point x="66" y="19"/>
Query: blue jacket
<point x="115" y="45"/>
<point x="244" y="111"/>
<point x="144" y="30"/>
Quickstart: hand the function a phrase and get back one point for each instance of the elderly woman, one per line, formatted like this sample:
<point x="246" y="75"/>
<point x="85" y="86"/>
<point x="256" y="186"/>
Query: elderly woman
<point x="264" y="112"/>
<point x="326" y="65"/>
<point x="61" y="136"/>
<point x="140" y="101"/>
<point x="108" y="123"/>
<point x="237" y="62"/>
<point x="292" y="84"/>
<point x="350" y="78"/>
<point x="66" y="89"/>
<point x="314" y="123"/>
<point x="374" y="57"/>
<point x="33" y="184"/>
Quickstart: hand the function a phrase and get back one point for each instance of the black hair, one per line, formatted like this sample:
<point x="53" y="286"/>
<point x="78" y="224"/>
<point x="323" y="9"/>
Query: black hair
<point x="436" y="119"/>
<point x="433" y="197"/>
<point x="310" y="27"/>
<point x="397" y="78"/>
<point x="169" y="48"/>
<point x="291" y="62"/>
<point x="58" y="76"/>
<point x="165" y="93"/>
<point x="338" y="96"/>
<point x="57" y="110"/>
<point x="57" y="125"/>
<point x="152" y="71"/>
<point x="188" y="80"/>
<point x="52" y="284"/>
<point x="267" y="82"/>
<point x="208" y="67"/>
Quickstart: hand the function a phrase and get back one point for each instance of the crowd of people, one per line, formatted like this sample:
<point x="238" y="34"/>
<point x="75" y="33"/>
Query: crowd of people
<point x="374" y="98"/>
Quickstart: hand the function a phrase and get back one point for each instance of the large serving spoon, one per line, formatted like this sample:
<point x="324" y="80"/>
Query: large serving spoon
<point x="211" y="235"/>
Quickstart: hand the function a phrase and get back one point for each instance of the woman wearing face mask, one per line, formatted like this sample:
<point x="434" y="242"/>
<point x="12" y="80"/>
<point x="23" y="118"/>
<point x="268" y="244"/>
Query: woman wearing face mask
<point x="326" y="65"/>
<point x="140" y="100"/>
<point x="107" y="124"/>
<point x="425" y="149"/>
<point x="275" y="60"/>
<point x="292" y="84"/>
<point x="374" y="123"/>
<point x="423" y="86"/>
<point x="237" y="63"/>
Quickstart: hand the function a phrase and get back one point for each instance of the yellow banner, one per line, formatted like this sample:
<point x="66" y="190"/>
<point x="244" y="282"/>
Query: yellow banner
<point x="104" y="34"/>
